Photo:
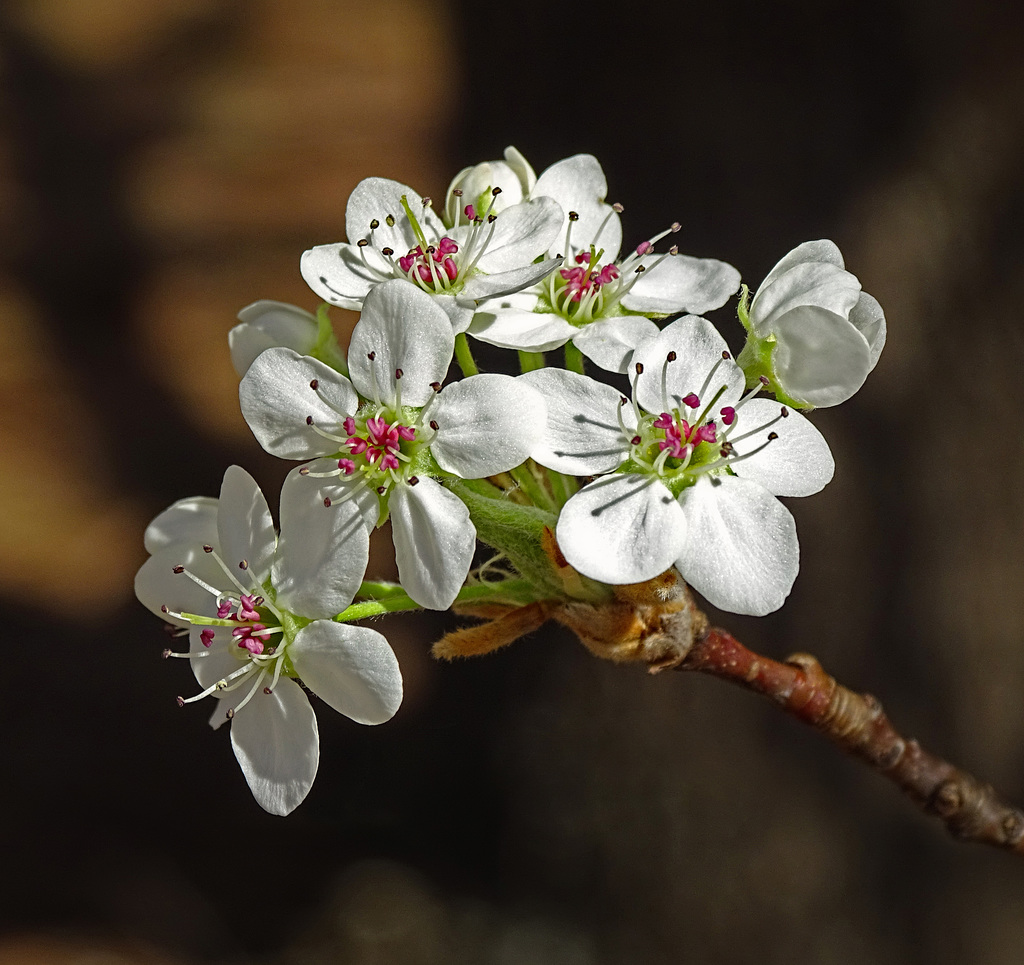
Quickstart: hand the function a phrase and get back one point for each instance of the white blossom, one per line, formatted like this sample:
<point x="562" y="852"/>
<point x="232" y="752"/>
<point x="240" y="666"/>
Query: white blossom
<point x="266" y="324"/>
<point x="258" y="612"/>
<point x="378" y="437"/>
<point x="394" y="234"/>
<point x="474" y="185"/>
<point x="816" y="335"/>
<point x="597" y="299"/>
<point x="686" y="473"/>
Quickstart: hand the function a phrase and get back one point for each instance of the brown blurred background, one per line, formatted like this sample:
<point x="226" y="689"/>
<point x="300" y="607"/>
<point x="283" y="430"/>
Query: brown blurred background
<point x="165" y="162"/>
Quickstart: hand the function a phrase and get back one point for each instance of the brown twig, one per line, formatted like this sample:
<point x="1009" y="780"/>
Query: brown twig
<point x="970" y="810"/>
<point x="657" y="624"/>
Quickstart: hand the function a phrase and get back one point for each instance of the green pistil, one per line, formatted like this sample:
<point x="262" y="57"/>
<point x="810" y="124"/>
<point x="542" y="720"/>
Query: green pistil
<point x="417" y="230"/>
<point x="707" y="408"/>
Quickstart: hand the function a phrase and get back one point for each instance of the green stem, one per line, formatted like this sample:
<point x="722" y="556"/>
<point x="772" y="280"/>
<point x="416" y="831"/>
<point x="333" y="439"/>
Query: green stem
<point x="375" y="608"/>
<point x="513" y="591"/>
<point x="480" y="486"/>
<point x="531" y="361"/>
<point x="379" y="590"/>
<point x="573" y="358"/>
<point x="564" y="487"/>
<point x="464" y="356"/>
<point x="533" y="488"/>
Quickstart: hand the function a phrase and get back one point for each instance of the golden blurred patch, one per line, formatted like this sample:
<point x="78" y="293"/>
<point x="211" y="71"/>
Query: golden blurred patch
<point x="71" y="541"/>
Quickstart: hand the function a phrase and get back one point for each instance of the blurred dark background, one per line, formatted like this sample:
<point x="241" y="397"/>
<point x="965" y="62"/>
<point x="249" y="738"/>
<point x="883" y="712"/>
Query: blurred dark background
<point x="163" y="163"/>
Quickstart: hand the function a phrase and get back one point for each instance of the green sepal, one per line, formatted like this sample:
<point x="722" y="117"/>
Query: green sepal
<point x="756" y="361"/>
<point x="743" y="308"/>
<point x="518" y="531"/>
<point x="326" y="347"/>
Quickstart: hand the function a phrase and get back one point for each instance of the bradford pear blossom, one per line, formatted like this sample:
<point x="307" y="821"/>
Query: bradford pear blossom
<point x="394" y="233"/>
<point x="258" y="611"/>
<point x="379" y="438"/>
<point x="599" y="300"/>
<point x="265" y="324"/>
<point x="473" y="186"/>
<point x="687" y="473"/>
<point x="812" y="332"/>
<point x="268" y="324"/>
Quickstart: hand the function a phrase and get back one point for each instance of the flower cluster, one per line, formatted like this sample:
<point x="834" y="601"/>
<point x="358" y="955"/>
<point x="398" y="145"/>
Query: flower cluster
<point x="681" y="470"/>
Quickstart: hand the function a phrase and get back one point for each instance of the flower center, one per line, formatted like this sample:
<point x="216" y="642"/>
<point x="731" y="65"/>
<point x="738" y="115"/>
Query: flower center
<point x="250" y="622"/>
<point x="251" y="634"/>
<point x="584" y="290"/>
<point x="587" y="278"/>
<point x="378" y="444"/>
<point x="686" y="441"/>
<point x="430" y="265"/>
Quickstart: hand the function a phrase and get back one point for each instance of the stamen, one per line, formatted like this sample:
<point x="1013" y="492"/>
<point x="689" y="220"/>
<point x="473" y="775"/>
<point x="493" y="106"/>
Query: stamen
<point x="255" y="687"/>
<point x="639" y="369"/>
<point x="711" y="375"/>
<point x="729" y="460"/>
<point x="223" y="684"/>
<point x="671" y="357"/>
<point x="213" y="591"/>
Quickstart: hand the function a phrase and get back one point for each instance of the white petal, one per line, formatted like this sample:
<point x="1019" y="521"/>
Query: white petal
<point x="215" y="662"/>
<point x="340" y="488"/>
<point x="487" y="424"/>
<point x="578" y="184"/>
<point x="405" y="329"/>
<point x="816" y="285"/>
<point x="276" y="398"/>
<point x="244" y="525"/>
<point x="157" y="585"/>
<point x="322" y="554"/>
<point x="582" y="436"/>
<point x="276" y="743"/>
<point x="509" y="282"/>
<point x="869" y="319"/>
<point x="473" y="181"/>
<point x="621" y="529"/>
<point x="339" y="274"/>
<point x="373" y="199"/>
<point x="518" y="329"/>
<point x="267" y="324"/>
<point x="351" y="668"/>
<point x="797" y="463"/>
<point x="698" y="348"/>
<point x="459" y="309"/>
<point x="521" y="233"/>
<point x="678" y="283"/>
<point x="434" y="542"/>
<point x="610" y="342"/>
<point x="741" y="550"/>
<point x="192" y="520"/>
<point x="824" y="251"/>
<point x="820" y="358"/>
<point x="521" y="167"/>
